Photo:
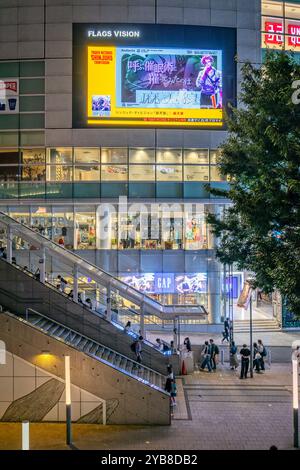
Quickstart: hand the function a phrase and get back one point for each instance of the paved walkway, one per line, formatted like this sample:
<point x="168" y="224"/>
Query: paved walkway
<point x="214" y="411"/>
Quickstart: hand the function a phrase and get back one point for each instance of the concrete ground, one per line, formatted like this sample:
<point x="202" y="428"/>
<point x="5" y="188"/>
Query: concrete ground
<point x="214" y="411"/>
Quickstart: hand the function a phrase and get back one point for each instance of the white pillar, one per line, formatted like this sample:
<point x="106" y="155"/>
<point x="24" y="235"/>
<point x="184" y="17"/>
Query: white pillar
<point x="75" y="283"/>
<point x="9" y="244"/>
<point x="108" y="302"/>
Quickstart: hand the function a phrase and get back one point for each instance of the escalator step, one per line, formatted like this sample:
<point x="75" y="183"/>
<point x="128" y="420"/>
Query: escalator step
<point x="53" y="329"/>
<point x="77" y="340"/>
<point x="93" y="349"/>
<point x="99" y="351"/>
<point x="82" y="343"/>
<point x="59" y="333"/>
<point x="117" y="360"/>
<point x="88" y="346"/>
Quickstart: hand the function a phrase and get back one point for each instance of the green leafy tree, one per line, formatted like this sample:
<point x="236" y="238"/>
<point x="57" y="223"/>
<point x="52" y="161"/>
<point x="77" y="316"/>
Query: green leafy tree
<point x="260" y="230"/>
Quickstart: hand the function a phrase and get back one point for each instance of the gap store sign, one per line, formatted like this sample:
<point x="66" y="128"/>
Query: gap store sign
<point x="168" y="283"/>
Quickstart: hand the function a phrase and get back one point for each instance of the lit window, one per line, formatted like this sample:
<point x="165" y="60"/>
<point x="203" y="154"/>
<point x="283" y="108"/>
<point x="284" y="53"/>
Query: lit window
<point x="141" y="155"/>
<point x="196" y="156"/>
<point x="292" y="11"/>
<point x="196" y="173"/>
<point x="87" y="155"/>
<point x="169" y="173"/>
<point x="141" y="173"/>
<point x="87" y="173"/>
<point x="114" y="173"/>
<point x="114" y="155"/>
<point x="60" y="156"/>
<point x="272" y="8"/>
<point x="167" y="155"/>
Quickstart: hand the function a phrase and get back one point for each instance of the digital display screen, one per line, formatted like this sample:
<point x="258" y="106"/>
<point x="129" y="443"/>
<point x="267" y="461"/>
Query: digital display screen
<point x="138" y="76"/>
<point x="164" y="283"/>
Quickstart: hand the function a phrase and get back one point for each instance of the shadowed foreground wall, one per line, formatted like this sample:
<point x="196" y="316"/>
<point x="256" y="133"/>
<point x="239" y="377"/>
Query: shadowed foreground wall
<point x="132" y="401"/>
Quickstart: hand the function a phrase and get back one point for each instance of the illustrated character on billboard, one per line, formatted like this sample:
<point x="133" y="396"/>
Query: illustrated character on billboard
<point x="209" y="82"/>
<point x="184" y="287"/>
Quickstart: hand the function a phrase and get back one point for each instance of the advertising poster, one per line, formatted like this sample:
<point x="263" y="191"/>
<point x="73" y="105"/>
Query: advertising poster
<point x="9" y="96"/>
<point x="168" y="283"/>
<point x="152" y="75"/>
<point x="139" y="85"/>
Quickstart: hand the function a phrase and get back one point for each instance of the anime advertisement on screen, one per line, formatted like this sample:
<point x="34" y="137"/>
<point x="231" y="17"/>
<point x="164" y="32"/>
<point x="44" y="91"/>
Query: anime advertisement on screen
<point x="126" y="83"/>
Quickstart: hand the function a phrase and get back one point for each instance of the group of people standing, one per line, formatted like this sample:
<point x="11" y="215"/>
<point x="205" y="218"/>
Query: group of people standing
<point x="259" y="353"/>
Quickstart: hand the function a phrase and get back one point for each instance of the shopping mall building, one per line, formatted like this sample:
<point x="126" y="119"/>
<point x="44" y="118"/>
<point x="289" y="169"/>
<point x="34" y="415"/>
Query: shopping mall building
<point x="111" y="113"/>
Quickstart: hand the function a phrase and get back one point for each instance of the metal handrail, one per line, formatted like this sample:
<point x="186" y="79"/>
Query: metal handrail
<point x="105" y="279"/>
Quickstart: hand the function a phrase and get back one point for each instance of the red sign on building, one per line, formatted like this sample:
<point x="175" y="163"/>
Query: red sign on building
<point x="294" y="35"/>
<point x="275" y="33"/>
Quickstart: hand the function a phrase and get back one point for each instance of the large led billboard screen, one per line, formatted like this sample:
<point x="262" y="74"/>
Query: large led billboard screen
<point x="152" y="75"/>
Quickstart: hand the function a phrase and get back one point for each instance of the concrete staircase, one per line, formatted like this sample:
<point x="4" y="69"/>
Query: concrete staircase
<point x="243" y="326"/>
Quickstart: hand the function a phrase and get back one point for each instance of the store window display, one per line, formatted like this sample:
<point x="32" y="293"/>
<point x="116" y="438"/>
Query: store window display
<point x="196" y="173"/>
<point x="114" y="155"/>
<point x="169" y="172"/>
<point x="196" y="156"/>
<point x="87" y="164"/>
<point x="171" y="233"/>
<point x="141" y="173"/>
<point x="41" y="221"/>
<point x="196" y="233"/>
<point x="85" y="230"/>
<point x="114" y="173"/>
<point x="63" y="226"/>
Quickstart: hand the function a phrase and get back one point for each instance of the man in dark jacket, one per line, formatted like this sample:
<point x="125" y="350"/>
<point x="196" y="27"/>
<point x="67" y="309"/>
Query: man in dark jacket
<point x="245" y="356"/>
<point x="214" y="351"/>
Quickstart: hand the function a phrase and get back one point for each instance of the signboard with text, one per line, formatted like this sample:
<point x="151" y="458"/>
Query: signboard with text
<point x="9" y="96"/>
<point x="145" y="75"/>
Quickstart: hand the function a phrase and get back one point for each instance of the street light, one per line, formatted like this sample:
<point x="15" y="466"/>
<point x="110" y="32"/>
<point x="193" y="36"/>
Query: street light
<point x="68" y="400"/>
<point x="244" y="300"/>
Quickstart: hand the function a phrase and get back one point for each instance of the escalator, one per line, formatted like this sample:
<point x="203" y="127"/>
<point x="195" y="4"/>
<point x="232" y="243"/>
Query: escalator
<point x="21" y="290"/>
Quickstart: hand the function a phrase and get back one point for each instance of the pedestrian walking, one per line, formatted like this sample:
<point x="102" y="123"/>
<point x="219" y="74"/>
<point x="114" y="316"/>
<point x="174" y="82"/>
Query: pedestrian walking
<point x="214" y="354"/>
<point x="256" y="358"/>
<point x="233" y="359"/>
<point x="225" y="332"/>
<point x="127" y="327"/>
<point x="170" y="371"/>
<point x="187" y="344"/>
<point x="245" y="356"/>
<point x="206" y="357"/>
<point x="173" y="392"/>
<point x="138" y="349"/>
<point x="263" y="353"/>
<point x="62" y="283"/>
